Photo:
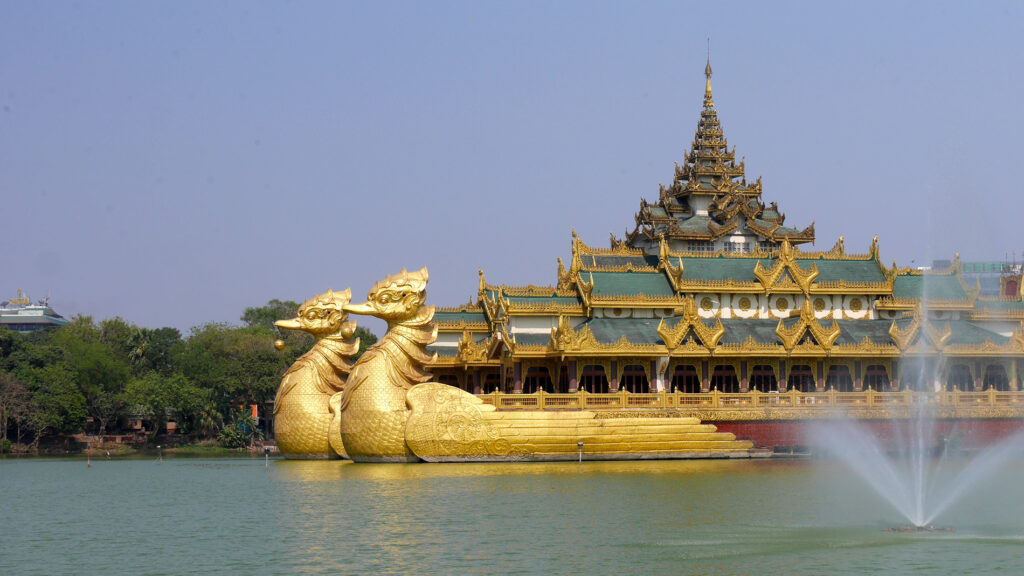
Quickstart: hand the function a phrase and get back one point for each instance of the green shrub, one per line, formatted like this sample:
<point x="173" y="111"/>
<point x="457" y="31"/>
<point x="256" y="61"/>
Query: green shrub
<point x="240" y="432"/>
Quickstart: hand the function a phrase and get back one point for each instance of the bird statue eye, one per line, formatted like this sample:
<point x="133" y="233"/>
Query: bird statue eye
<point x="312" y="315"/>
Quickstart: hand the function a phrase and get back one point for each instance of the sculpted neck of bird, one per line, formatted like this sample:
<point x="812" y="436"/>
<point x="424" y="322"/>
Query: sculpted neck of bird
<point x="398" y="300"/>
<point x="324" y="317"/>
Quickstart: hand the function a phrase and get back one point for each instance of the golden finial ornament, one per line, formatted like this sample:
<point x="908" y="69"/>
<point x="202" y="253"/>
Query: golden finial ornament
<point x="708" y="100"/>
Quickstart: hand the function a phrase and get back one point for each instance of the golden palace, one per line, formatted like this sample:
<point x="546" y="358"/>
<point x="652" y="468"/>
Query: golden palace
<point x="704" y="332"/>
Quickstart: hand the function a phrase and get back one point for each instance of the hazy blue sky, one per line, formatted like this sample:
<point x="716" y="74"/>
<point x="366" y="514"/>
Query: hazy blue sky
<point x="173" y="163"/>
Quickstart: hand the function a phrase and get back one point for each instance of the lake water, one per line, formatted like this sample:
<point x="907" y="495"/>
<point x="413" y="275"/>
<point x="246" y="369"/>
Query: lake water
<point x="233" y="516"/>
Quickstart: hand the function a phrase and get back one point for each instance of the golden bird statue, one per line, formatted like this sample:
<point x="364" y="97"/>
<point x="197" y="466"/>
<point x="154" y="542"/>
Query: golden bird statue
<point x="389" y="412"/>
<point x="306" y="407"/>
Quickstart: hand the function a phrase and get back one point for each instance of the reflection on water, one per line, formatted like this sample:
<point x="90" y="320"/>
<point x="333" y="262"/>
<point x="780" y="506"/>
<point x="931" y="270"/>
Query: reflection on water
<point x="681" y="517"/>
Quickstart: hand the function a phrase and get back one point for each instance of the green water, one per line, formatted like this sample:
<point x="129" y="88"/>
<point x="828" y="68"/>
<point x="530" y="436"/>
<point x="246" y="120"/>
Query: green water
<point x="233" y="516"/>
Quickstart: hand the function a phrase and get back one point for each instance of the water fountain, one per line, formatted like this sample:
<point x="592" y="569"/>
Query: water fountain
<point x="918" y="479"/>
<point x="918" y="471"/>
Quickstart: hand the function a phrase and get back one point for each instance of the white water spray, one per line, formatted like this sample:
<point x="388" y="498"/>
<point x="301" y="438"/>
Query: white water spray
<point x="908" y="472"/>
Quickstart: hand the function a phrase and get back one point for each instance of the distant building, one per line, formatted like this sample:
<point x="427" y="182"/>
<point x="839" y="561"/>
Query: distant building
<point x="20" y="315"/>
<point x="994" y="278"/>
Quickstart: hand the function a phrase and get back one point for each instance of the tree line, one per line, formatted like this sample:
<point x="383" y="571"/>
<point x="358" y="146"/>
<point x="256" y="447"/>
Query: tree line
<point x="99" y="377"/>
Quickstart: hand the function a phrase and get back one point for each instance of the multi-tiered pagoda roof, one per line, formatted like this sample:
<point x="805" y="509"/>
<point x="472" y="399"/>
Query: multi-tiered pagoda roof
<point x="710" y="199"/>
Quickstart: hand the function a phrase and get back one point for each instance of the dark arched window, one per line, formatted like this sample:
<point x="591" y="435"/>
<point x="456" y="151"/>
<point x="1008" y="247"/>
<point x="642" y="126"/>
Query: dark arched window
<point x="537" y="378"/>
<point x="762" y="379"/>
<point x="801" y="378"/>
<point x="959" y="378"/>
<point x="995" y="378"/>
<point x="877" y="379"/>
<point x="634" y="380"/>
<point x="724" y="379"/>
<point x="839" y="379"/>
<point x="593" y="380"/>
<point x="685" y="379"/>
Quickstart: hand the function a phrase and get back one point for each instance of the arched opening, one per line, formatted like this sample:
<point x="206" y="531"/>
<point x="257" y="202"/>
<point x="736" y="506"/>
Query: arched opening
<point x="634" y="380"/>
<point x="593" y="380"/>
<point x="838" y="378"/>
<point x="762" y="379"/>
<point x="724" y="380"/>
<point x="449" y="379"/>
<point x="959" y="378"/>
<point x="491" y="383"/>
<point x="686" y="380"/>
<point x="918" y="375"/>
<point x="995" y="378"/>
<point x="563" y="380"/>
<point x="537" y="379"/>
<point x="801" y="378"/>
<point x="876" y="378"/>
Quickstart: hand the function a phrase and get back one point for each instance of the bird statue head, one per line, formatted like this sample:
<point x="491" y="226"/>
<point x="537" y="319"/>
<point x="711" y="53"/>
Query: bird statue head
<point x="323" y="315"/>
<point x="396" y="298"/>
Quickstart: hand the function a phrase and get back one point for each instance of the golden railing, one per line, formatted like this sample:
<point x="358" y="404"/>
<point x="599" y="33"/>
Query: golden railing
<point x="755" y="405"/>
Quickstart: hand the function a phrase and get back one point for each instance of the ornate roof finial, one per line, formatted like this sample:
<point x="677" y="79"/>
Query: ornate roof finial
<point x="708" y="100"/>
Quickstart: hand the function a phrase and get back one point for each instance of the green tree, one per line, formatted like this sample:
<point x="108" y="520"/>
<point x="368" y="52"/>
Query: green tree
<point x="155" y="396"/>
<point x="366" y="339"/>
<point x="14" y="400"/>
<point x="97" y="359"/>
<point x="265" y="316"/>
<point x="57" y="405"/>
<point x="238" y="366"/>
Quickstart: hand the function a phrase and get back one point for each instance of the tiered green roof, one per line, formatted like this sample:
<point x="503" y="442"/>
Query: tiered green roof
<point x="710" y="170"/>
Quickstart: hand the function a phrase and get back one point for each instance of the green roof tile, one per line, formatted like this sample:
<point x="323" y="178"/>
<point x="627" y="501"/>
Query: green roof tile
<point x="629" y="283"/>
<point x="443" y="351"/>
<point x="636" y="261"/>
<point x="933" y="287"/>
<point x="967" y="333"/>
<point x="455" y="317"/>
<point x="532" y="339"/>
<point x="849" y="270"/>
<point x="721" y="268"/>
<point x="738" y="330"/>
<point x="999" y="305"/>
<point x="541" y="300"/>
<point x="636" y="330"/>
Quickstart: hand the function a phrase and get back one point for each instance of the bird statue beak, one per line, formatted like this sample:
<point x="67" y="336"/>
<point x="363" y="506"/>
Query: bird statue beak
<point x="364" y="309"/>
<point x="292" y="324"/>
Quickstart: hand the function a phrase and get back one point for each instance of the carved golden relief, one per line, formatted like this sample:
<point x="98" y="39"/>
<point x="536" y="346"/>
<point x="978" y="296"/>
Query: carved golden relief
<point x="586" y="291"/>
<point x="932" y="335"/>
<point x="807" y="323"/>
<point x="462" y="325"/>
<point x="690" y="320"/>
<point x="673" y="272"/>
<point x="565" y="339"/>
<point x="472" y="351"/>
<point x="621" y="249"/>
<point x="785" y="269"/>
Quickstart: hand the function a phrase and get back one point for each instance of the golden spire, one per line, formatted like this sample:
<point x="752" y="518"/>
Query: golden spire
<point x="708" y="100"/>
